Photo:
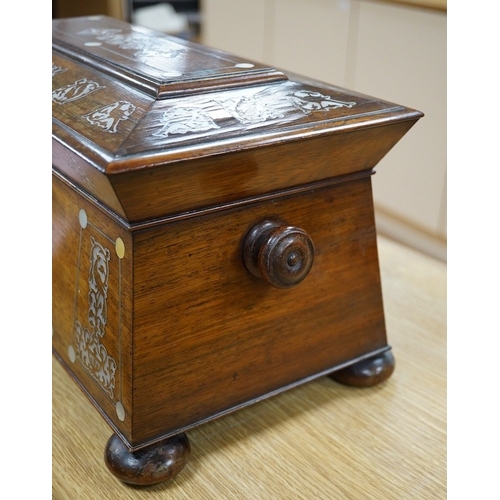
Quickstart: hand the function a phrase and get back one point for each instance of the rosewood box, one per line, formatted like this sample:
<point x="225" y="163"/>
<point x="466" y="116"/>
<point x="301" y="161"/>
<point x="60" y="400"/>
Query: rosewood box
<point x="213" y="234"/>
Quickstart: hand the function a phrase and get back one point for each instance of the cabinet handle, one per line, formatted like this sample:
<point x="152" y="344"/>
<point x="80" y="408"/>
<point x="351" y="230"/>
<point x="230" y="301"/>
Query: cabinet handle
<point x="280" y="254"/>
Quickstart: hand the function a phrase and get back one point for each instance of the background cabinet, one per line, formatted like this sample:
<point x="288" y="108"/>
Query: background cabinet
<point x="392" y="50"/>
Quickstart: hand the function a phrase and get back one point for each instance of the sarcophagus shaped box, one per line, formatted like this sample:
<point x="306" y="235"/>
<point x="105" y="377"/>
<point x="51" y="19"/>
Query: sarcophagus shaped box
<point x="213" y="234"/>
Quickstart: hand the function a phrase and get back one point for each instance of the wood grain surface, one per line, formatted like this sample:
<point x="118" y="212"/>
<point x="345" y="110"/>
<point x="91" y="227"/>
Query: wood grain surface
<point x="425" y="4"/>
<point x="317" y="441"/>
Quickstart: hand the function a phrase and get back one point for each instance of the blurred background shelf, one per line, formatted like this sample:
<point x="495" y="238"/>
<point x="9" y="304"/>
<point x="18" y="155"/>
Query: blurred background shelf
<point x="180" y="18"/>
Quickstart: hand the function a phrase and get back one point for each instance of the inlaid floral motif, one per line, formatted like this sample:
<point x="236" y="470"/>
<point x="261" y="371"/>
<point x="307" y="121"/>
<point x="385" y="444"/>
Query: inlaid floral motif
<point x="252" y="109"/>
<point x="74" y="91"/>
<point x="91" y="352"/>
<point x="309" y="101"/>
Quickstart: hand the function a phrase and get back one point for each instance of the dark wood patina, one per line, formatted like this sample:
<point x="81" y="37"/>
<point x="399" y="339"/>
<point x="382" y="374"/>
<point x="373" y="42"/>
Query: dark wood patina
<point x="214" y="240"/>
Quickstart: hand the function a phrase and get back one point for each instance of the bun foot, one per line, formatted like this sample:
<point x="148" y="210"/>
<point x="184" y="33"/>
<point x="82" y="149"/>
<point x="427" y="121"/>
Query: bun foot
<point x="149" y="465"/>
<point x="366" y="373"/>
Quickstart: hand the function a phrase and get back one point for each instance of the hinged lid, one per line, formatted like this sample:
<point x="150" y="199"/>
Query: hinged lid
<point x="133" y="109"/>
<point x="159" y="65"/>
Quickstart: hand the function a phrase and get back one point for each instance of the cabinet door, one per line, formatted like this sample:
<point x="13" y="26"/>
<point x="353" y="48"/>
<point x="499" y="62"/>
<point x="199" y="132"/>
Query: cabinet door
<point x="400" y="55"/>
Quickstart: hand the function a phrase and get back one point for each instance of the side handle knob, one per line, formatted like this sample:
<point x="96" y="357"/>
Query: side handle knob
<point x="278" y="253"/>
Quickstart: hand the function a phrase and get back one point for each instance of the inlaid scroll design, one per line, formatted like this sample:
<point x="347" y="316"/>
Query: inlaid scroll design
<point x="74" y="91"/>
<point x="265" y="106"/>
<point x="89" y="349"/>
<point x="182" y="120"/>
<point x="57" y="69"/>
<point x="141" y="46"/>
<point x="249" y="108"/>
<point x="252" y="109"/>
<point x="309" y="101"/>
<point x="108" y="117"/>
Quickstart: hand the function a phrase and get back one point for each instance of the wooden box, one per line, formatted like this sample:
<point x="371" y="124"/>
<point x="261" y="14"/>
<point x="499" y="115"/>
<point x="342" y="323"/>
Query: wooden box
<point x="213" y="234"/>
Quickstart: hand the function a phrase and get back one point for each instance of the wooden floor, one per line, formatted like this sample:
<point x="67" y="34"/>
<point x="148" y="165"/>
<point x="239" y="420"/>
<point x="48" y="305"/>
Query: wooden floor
<point x="318" y="441"/>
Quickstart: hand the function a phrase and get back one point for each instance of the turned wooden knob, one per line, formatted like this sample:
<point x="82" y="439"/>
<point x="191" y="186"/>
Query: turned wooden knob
<point x="278" y="253"/>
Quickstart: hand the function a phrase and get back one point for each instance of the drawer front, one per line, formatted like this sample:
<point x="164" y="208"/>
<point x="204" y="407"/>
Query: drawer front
<point x="210" y="335"/>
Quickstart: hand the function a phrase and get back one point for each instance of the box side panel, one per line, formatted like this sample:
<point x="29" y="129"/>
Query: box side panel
<point x="209" y="336"/>
<point x="70" y="165"/>
<point x="191" y="183"/>
<point x="91" y="302"/>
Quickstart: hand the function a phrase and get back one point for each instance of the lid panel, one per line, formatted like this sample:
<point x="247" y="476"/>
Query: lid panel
<point x="97" y="107"/>
<point x="99" y="100"/>
<point x="157" y="63"/>
<point x="155" y="126"/>
<point x="238" y="116"/>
